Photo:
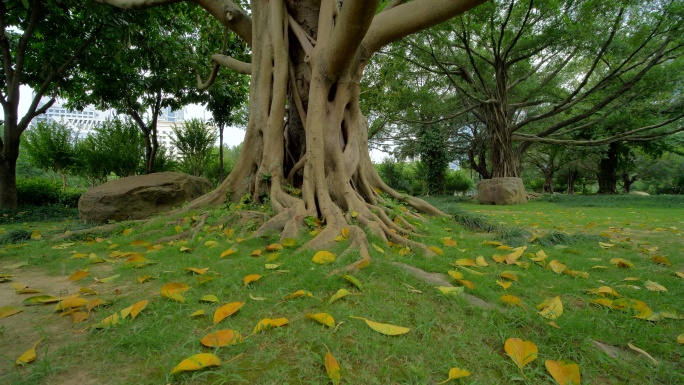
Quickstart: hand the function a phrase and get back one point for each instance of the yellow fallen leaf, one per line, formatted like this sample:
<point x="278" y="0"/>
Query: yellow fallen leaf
<point x="274" y="247"/>
<point x="386" y="329"/>
<point x="272" y="257"/>
<point x="631" y="279"/>
<point x="466" y="283"/>
<point x="354" y="281"/>
<point x="480" y="261"/>
<point x="78" y="275"/>
<point x="221" y="338"/>
<point x="492" y="243"/>
<point x="660" y="260"/>
<point x="209" y="298"/>
<point x="229" y="232"/>
<point x="654" y="286"/>
<point x="28" y="356"/>
<point x="127" y="231"/>
<point x="134" y="309"/>
<point x="289" y="242"/>
<point x="323" y="257"/>
<point x="551" y="308"/>
<point x="271" y="266"/>
<point x="511" y="300"/>
<point x="36" y="234"/>
<point x="504" y="247"/>
<point x="556" y="266"/>
<point x="436" y="250"/>
<point x="554" y="324"/>
<point x="503" y="284"/>
<point x="144" y="278"/>
<point x="680" y="339"/>
<point x="455" y="274"/>
<point x="345" y="232"/>
<point x="7" y="311"/>
<point x="109" y="321"/>
<point x="173" y="290"/>
<point x="297" y="294"/>
<point x="513" y="257"/>
<point x="378" y="248"/>
<point x="108" y="279"/>
<point x="620" y="262"/>
<point x="196" y="270"/>
<point x="521" y="352"/>
<point x="210" y="244"/>
<point x="605" y="245"/>
<point x="255" y="253"/>
<point x="78" y="255"/>
<point x="269" y="323"/>
<point x="226" y="311"/>
<point x="257" y="298"/>
<point x="184" y="249"/>
<point x="198" y="313"/>
<point x="94" y="303"/>
<point x="227" y="253"/>
<point x="450" y="290"/>
<point x="455" y="373"/>
<point x="679" y="274"/>
<point x="71" y="302"/>
<point x="449" y="242"/>
<point x="509" y="275"/>
<point x="322" y="318"/>
<point x="339" y="294"/>
<point x="603" y="291"/>
<point x="78" y="316"/>
<point x="465" y="262"/>
<point x="565" y="372"/>
<point x="251" y="278"/>
<point x="197" y="362"/>
<point x="332" y="367"/>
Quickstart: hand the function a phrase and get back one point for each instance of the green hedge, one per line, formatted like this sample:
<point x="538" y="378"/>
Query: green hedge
<point x="41" y="192"/>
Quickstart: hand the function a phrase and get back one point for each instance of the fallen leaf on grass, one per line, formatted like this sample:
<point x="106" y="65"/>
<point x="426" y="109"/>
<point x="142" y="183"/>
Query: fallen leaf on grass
<point x="503" y="284"/>
<point x="556" y="266"/>
<point x="455" y="274"/>
<point x="297" y="294"/>
<point x="511" y="300"/>
<point x="332" y="367"/>
<point x="134" y="309"/>
<point x="109" y="321"/>
<point x="197" y="362"/>
<point x="551" y="308"/>
<point x="174" y="290"/>
<point x="509" y="275"/>
<point x="257" y="298"/>
<point x="127" y="231"/>
<point x="660" y="260"/>
<point x="480" y="261"/>
<point x="255" y="253"/>
<point x="450" y="290"/>
<point x="71" y="302"/>
<point x="197" y="313"/>
<point x="210" y="244"/>
<point x="465" y="262"/>
<point x="620" y="262"/>
<point x="386" y="329"/>
<point x="93" y="303"/>
<point x="221" y="338"/>
<point x="449" y="242"/>
<point x="28" y="356"/>
<point x="636" y="349"/>
<point x="209" y="298"/>
<point x="144" y="278"/>
<point x="269" y="323"/>
<point x="7" y="311"/>
<point x="78" y="275"/>
<point x="251" y="278"/>
<point x="354" y="281"/>
<point x="226" y="311"/>
<point x="323" y="257"/>
<point x="227" y="253"/>
<point x="339" y="294"/>
<point x="196" y="270"/>
<point x="565" y="372"/>
<point x="521" y="352"/>
<point x="680" y="339"/>
<point x="466" y="283"/>
<point x="605" y="245"/>
<point x="78" y="316"/>
<point x="654" y="286"/>
<point x="37" y="300"/>
<point x="289" y="242"/>
<point x="604" y="291"/>
<point x="436" y="250"/>
<point x="15" y="266"/>
<point x="322" y="318"/>
<point x="108" y="279"/>
<point x="455" y="373"/>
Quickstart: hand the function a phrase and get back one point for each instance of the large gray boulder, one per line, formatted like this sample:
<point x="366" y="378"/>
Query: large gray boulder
<point x="501" y="191"/>
<point x="640" y="193"/>
<point x="139" y="197"/>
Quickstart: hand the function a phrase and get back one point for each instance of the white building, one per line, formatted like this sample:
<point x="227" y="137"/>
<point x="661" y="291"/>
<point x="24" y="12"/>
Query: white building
<point x="82" y="122"/>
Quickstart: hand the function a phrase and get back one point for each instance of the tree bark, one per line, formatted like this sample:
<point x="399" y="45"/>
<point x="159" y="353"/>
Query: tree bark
<point x="572" y="176"/>
<point x="607" y="174"/>
<point x="221" y="168"/>
<point x="627" y="182"/>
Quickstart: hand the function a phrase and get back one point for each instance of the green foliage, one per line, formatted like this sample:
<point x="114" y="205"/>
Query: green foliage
<point x="230" y="157"/>
<point x="194" y="141"/>
<point x="434" y="155"/>
<point x="114" y="147"/>
<point x="457" y="181"/>
<point x="164" y="161"/>
<point x="41" y="191"/>
<point x="51" y="146"/>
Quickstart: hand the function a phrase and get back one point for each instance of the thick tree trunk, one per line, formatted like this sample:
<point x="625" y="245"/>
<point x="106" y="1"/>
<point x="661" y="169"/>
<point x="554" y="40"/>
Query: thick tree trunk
<point x="221" y="168"/>
<point x="8" y="162"/>
<point x="548" y="182"/>
<point x="607" y="174"/>
<point x="306" y="144"/>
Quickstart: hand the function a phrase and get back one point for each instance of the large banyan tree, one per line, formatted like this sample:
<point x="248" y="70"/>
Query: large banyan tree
<point x="306" y="141"/>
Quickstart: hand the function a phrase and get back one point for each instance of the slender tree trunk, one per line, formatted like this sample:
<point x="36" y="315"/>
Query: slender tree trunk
<point x="572" y="176"/>
<point x="221" y="167"/>
<point x="607" y="174"/>
<point x="548" y="181"/>
<point x="627" y="182"/>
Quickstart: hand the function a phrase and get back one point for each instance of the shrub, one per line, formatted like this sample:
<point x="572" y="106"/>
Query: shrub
<point x="41" y="192"/>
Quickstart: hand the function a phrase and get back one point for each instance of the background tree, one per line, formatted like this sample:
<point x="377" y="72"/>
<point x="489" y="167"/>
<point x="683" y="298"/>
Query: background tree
<point x="306" y="128"/>
<point x="194" y="140"/>
<point x="51" y="146"/>
<point x="541" y="72"/>
<point x="149" y="68"/>
<point x="41" y="43"/>
<point x="114" y="147"/>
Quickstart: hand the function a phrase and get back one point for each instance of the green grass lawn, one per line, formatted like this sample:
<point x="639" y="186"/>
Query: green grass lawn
<point x="446" y="331"/>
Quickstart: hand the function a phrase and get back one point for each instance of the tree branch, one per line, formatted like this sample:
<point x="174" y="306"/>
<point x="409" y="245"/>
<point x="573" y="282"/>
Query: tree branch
<point x="411" y="17"/>
<point x="351" y="27"/>
<point x="234" y="64"/>
<point x="21" y="48"/>
<point x="304" y="39"/>
<point x="203" y="85"/>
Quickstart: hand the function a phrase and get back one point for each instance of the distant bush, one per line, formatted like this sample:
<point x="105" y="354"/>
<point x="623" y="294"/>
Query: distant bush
<point x="457" y="181"/>
<point x="41" y="192"/>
